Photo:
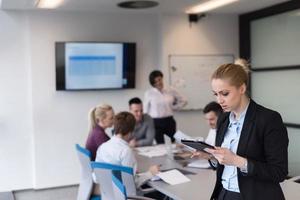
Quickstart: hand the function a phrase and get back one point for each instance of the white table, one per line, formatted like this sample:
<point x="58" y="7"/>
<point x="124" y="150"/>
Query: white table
<point x="201" y="185"/>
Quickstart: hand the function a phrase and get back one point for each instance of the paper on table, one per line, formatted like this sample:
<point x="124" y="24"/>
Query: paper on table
<point x="179" y="135"/>
<point x="173" y="177"/>
<point x="152" y="151"/>
<point x="201" y="163"/>
<point x="149" y="148"/>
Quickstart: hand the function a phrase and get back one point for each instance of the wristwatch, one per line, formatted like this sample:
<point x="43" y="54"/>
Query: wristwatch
<point x="244" y="168"/>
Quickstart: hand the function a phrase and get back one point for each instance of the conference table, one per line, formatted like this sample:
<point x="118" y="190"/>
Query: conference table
<point x="202" y="182"/>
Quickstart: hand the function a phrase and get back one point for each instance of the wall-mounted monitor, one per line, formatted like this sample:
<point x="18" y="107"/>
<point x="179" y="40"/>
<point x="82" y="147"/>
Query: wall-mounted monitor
<point x="95" y="65"/>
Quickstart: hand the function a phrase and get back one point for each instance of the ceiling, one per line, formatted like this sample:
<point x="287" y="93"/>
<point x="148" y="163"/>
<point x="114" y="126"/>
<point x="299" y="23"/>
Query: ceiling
<point x="165" y="6"/>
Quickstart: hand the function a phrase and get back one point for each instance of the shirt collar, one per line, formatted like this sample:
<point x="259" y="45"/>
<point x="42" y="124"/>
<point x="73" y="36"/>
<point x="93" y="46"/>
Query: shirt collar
<point x="143" y="119"/>
<point x="157" y="90"/>
<point x="119" y="140"/>
<point x="242" y="115"/>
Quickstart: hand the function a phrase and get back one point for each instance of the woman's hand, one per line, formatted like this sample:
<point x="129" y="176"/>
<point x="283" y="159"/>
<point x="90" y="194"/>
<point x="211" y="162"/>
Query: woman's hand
<point x="201" y="155"/>
<point x="227" y="157"/>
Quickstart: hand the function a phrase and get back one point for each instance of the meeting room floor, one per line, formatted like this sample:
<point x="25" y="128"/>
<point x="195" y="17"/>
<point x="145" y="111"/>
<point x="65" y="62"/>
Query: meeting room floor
<point x="60" y="193"/>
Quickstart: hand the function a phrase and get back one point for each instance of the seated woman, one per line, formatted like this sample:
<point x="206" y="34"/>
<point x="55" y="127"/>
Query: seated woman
<point x="117" y="150"/>
<point x="101" y="117"/>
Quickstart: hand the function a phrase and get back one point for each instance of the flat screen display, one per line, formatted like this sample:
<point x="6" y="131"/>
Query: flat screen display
<point x="94" y="65"/>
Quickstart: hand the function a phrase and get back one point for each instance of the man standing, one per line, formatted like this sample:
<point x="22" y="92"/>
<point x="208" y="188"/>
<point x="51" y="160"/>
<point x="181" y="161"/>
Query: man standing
<point x="144" y="131"/>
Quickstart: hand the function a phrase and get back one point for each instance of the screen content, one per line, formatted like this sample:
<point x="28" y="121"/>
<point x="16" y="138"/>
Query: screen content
<point x="89" y="66"/>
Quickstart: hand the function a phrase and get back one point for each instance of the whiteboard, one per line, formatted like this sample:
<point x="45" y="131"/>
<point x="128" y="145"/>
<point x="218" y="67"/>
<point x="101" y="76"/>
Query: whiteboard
<point x="190" y="76"/>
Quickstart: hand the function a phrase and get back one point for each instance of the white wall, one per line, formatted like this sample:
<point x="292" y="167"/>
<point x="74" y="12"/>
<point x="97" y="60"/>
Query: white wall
<point x="214" y="34"/>
<point x="15" y="105"/>
<point x="55" y="121"/>
<point x="60" y="118"/>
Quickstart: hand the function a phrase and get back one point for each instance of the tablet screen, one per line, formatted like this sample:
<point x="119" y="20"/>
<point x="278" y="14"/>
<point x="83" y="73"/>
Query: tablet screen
<point x="197" y="145"/>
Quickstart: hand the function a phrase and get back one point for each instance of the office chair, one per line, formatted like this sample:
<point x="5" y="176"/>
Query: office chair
<point x="119" y="188"/>
<point x="86" y="180"/>
<point x="104" y="175"/>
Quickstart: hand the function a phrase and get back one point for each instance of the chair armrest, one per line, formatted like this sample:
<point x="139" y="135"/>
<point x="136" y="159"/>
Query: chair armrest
<point x="146" y="190"/>
<point x="139" y="198"/>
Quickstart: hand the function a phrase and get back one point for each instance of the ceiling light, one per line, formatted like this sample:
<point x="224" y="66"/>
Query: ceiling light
<point x="209" y="5"/>
<point x="49" y="4"/>
<point x="138" y="4"/>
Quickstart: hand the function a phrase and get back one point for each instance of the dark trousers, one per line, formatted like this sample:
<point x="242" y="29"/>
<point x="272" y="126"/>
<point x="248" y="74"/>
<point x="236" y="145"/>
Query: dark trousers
<point x="228" y="195"/>
<point x="166" y="125"/>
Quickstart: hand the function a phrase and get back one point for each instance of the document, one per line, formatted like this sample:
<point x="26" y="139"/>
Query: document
<point x="152" y="154"/>
<point x="201" y="163"/>
<point x="152" y="151"/>
<point x="157" y="150"/>
<point x="173" y="177"/>
<point x="179" y="135"/>
<point x="183" y="171"/>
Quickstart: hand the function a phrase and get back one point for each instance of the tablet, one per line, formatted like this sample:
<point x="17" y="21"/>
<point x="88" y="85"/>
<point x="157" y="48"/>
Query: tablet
<point x="197" y="145"/>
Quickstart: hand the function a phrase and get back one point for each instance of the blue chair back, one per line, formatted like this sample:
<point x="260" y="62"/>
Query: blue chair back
<point x="119" y="189"/>
<point x="104" y="173"/>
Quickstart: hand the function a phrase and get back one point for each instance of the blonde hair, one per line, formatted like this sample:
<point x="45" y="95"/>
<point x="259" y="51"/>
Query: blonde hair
<point x="236" y="73"/>
<point x="98" y="113"/>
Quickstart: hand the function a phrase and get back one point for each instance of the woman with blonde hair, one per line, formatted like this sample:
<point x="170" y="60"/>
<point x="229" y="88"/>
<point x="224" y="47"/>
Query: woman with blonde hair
<point x="100" y="117"/>
<point x="251" y="142"/>
<point x="251" y="153"/>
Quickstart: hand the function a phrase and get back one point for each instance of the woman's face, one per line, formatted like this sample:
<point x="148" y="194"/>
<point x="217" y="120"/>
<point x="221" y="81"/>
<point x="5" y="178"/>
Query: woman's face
<point x="159" y="83"/>
<point x="227" y="95"/>
<point x="108" y="120"/>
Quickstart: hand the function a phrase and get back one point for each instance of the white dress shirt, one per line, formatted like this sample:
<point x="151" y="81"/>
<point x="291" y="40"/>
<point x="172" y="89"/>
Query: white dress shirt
<point x="231" y="141"/>
<point x="211" y="137"/>
<point x="160" y="104"/>
<point x="117" y="151"/>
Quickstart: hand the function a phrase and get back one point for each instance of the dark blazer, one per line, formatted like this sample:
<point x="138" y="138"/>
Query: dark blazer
<point x="264" y="142"/>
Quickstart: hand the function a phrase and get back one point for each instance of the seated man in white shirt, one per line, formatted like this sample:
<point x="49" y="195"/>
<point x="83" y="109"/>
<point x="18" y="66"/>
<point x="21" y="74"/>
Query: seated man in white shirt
<point x="211" y="112"/>
<point x="144" y="132"/>
<point x="117" y="150"/>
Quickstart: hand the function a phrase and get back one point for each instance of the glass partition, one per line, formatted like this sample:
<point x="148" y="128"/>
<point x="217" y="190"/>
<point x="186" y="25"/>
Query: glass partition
<point x="278" y="90"/>
<point x="294" y="149"/>
<point x="274" y="40"/>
